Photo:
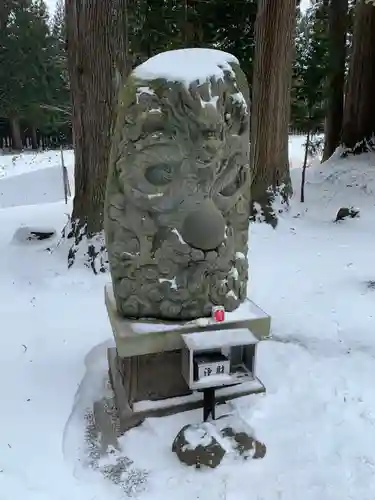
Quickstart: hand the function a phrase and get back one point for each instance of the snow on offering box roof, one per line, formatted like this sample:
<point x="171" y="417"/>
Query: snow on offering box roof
<point x="186" y="65"/>
<point x="219" y="338"/>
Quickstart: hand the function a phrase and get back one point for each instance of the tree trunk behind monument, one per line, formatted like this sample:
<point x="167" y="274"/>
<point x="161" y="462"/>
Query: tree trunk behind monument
<point x="272" y="77"/>
<point x="16" y="134"/>
<point x="337" y="30"/>
<point x="34" y="137"/>
<point x="97" y="50"/>
<point x="359" y="108"/>
<point x="91" y="79"/>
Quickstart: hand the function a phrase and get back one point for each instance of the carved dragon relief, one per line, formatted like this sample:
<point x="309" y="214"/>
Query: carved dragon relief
<point x="177" y="201"/>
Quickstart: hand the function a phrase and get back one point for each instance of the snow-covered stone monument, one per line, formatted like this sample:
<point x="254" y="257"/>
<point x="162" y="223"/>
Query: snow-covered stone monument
<point x="179" y="185"/>
<point x="176" y="223"/>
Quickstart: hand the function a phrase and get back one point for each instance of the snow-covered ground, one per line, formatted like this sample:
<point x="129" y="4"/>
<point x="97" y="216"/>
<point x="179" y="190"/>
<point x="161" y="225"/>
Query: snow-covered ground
<point x="316" y="278"/>
<point x="33" y="178"/>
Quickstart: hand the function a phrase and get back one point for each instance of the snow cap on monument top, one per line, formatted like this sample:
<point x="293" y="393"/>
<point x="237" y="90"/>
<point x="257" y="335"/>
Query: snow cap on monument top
<point x="186" y="65"/>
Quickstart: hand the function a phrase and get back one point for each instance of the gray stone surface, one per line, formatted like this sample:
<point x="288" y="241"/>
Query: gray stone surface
<point x="345" y="212"/>
<point x="177" y="200"/>
<point x="153" y="377"/>
<point x="195" y="446"/>
<point x="245" y="444"/>
<point x="121" y="388"/>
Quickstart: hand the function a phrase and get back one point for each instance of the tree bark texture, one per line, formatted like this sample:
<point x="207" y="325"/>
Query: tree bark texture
<point x="304" y="166"/>
<point x="92" y="42"/>
<point x="274" y="52"/>
<point x="359" y="106"/>
<point x="337" y="30"/>
<point x="16" y="134"/>
<point x="34" y="138"/>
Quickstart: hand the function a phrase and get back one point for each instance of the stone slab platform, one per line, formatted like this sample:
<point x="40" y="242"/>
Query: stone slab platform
<point x="139" y="337"/>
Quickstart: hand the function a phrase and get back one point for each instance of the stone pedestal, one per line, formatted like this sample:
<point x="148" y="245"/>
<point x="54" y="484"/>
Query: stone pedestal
<point x="146" y="365"/>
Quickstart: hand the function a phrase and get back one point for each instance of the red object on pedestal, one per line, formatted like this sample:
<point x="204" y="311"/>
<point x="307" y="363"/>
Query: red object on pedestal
<point x="218" y="314"/>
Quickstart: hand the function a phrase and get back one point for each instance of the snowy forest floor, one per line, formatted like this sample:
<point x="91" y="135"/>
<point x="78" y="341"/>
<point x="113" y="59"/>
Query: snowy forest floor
<point x="314" y="277"/>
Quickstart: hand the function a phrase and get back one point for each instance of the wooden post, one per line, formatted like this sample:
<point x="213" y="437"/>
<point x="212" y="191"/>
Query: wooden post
<point x="67" y="192"/>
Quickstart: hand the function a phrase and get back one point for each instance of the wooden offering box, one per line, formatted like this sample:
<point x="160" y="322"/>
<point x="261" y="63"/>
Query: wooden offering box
<point x="219" y="358"/>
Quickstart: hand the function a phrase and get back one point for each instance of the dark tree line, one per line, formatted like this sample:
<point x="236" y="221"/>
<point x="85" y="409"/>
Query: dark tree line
<point x="335" y="74"/>
<point x="33" y="83"/>
<point x="358" y="126"/>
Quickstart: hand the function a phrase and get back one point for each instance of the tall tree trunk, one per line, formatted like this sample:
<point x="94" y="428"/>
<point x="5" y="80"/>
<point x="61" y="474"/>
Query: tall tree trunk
<point x="304" y="166"/>
<point x="16" y="134"/>
<point x="337" y="30"/>
<point x="272" y="77"/>
<point x="359" y="107"/>
<point x="97" y="50"/>
<point x="97" y="36"/>
<point x="91" y="69"/>
<point x="34" y="138"/>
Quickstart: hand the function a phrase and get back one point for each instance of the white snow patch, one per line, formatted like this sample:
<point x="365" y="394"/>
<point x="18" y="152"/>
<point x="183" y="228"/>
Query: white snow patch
<point x="203" y="321"/>
<point x="143" y="90"/>
<point x="240" y="256"/>
<point x="155" y="111"/>
<point x="212" y="102"/>
<point x="196" y="436"/>
<point x="253" y="385"/>
<point x="26" y="235"/>
<point x="172" y="282"/>
<point x="32" y="188"/>
<point x="219" y="338"/>
<point x="186" y="66"/>
<point x="233" y="273"/>
<point x="21" y="163"/>
<point x="212" y="380"/>
<point x="178" y="234"/>
<point x="155" y="195"/>
<point x="238" y="98"/>
<point x="259" y="212"/>
<point x="129" y="254"/>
